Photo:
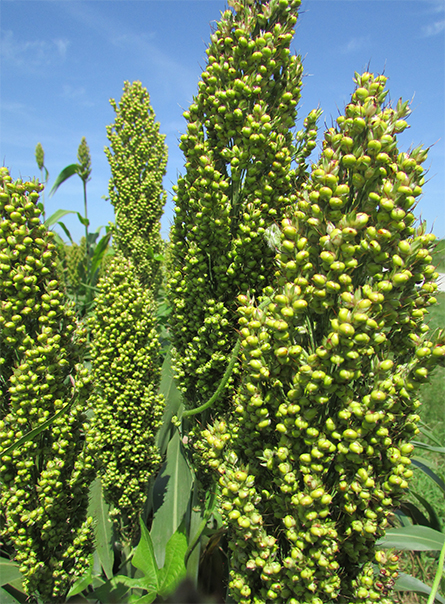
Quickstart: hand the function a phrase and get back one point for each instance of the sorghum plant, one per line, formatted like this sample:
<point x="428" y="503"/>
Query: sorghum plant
<point x="138" y="158"/>
<point x="126" y="404"/>
<point x="240" y="178"/>
<point x="316" y="453"/>
<point x="45" y="480"/>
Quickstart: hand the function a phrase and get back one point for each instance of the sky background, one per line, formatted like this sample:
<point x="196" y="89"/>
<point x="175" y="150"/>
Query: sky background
<point x="62" y="60"/>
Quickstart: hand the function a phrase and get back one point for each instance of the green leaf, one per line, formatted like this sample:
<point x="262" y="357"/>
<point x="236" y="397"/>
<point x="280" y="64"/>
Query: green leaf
<point x="427" y="470"/>
<point x="173" y="401"/>
<point x="174" y="568"/>
<point x="173" y="485"/>
<point x="99" y="510"/>
<point x="426" y="432"/>
<point x="434" y="521"/>
<point x="405" y="582"/>
<point x="416" y="538"/>
<point x="9" y="571"/>
<point x="144" y="560"/>
<point x="426" y="447"/>
<point x="64" y="175"/>
<point x="111" y="592"/>
<point x="66" y="231"/>
<point x="99" y="252"/>
<point x="147" y="599"/>
<point x="58" y="214"/>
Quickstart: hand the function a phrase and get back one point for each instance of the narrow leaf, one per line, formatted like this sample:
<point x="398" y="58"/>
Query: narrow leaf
<point x="405" y="582"/>
<point x="417" y="538"/>
<point x="66" y="231"/>
<point x="413" y="512"/>
<point x="426" y="447"/>
<point x="99" y="510"/>
<point x="426" y="432"/>
<point x="64" y="175"/>
<point x="58" y="214"/>
<point x="434" y="521"/>
<point x="174" y="568"/>
<point x="427" y="470"/>
<point x="144" y="559"/>
<point x="178" y="479"/>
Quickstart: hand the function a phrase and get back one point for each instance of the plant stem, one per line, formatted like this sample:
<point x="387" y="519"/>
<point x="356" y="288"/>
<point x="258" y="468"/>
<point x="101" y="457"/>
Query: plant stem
<point x="86" y="225"/>
<point x="438" y="576"/>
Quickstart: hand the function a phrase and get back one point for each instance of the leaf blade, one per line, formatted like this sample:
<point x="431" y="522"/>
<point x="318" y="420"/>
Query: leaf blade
<point x="66" y="173"/>
<point x="416" y="538"/>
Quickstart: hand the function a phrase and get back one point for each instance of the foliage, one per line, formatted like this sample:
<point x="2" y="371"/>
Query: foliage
<point x="45" y="481"/>
<point x="127" y="408"/>
<point x="137" y="157"/>
<point x="283" y="453"/>
<point x="80" y="271"/>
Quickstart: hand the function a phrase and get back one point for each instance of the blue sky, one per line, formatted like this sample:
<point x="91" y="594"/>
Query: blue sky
<point x="62" y="60"/>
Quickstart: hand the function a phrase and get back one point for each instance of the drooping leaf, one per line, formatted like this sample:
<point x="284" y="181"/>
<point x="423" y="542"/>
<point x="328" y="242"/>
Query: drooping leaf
<point x="58" y="214"/>
<point x="9" y="571"/>
<point x="173" y="402"/>
<point x="64" y="175"/>
<point x="434" y="521"/>
<point x="405" y="582"/>
<point x="66" y="231"/>
<point x="412" y="511"/>
<point x="429" y="472"/>
<point x="417" y="538"/>
<point x="173" y="486"/>
<point x="174" y="568"/>
<point x="99" y="510"/>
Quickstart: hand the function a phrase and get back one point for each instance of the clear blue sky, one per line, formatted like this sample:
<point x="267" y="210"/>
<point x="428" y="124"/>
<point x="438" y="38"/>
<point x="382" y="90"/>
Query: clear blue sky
<point x="62" y="60"/>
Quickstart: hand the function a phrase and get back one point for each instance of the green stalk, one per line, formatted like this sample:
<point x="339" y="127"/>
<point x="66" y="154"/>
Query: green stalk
<point x="438" y="576"/>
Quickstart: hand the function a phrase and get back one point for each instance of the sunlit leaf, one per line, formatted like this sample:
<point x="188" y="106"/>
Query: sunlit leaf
<point x="173" y="403"/>
<point x="171" y="494"/>
<point x="416" y="538"/>
<point x="174" y="568"/>
<point x="144" y="559"/>
<point x="64" y="175"/>
<point x="100" y="511"/>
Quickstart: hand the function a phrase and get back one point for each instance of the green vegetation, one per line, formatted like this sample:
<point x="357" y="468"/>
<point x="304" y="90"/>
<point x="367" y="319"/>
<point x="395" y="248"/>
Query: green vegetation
<point x="275" y="450"/>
